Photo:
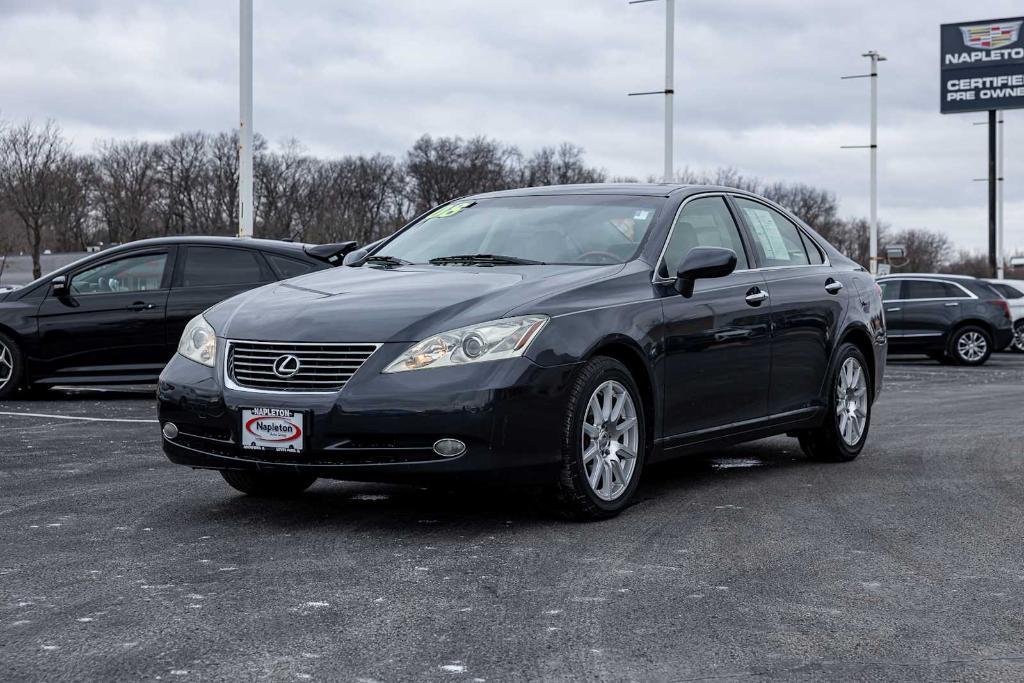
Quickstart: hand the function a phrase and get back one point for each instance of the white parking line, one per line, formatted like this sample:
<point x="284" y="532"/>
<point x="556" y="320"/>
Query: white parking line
<point x="77" y="417"/>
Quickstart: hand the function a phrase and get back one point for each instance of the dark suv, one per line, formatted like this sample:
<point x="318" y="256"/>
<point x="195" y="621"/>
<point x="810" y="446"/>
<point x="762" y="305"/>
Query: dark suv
<point x="951" y="318"/>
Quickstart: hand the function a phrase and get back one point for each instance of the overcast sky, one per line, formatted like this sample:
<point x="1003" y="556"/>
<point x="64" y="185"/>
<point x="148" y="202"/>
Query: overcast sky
<point x="757" y="85"/>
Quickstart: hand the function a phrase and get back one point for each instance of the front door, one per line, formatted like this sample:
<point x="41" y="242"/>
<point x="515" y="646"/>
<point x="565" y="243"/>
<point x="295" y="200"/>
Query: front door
<point x="717" y="345"/>
<point x="110" y="322"/>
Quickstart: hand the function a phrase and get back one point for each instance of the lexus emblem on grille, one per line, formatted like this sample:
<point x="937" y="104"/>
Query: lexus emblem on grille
<point x="286" y="366"/>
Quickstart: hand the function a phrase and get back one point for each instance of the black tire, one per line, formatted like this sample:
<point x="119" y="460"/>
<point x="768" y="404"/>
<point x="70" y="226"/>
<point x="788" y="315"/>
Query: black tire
<point x="268" y="484"/>
<point x="826" y="443"/>
<point x="12" y="367"/>
<point x="957" y="346"/>
<point x="1017" y="345"/>
<point x="576" y="497"/>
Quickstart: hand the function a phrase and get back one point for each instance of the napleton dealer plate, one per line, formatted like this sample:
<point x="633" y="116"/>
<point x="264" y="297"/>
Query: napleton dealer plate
<point x="272" y="429"/>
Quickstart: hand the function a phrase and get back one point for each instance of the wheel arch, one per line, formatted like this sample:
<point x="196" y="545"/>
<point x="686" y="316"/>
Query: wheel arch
<point x="627" y="352"/>
<point x="861" y="338"/>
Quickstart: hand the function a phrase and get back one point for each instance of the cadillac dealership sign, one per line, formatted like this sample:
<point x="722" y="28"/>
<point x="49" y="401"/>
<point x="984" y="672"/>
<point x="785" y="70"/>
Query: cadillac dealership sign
<point x="982" y="65"/>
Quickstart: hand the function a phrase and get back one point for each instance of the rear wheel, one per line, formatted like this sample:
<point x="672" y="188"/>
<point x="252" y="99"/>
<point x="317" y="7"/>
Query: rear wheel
<point x="603" y="442"/>
<point x="970" y="345"/>
<point x="268" y="484"/>
<point x="842" y="436"/>
<point x="12" y="366"/>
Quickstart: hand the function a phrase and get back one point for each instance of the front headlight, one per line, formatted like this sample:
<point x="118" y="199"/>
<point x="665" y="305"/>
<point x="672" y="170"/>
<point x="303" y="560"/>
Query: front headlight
<point x="199" y="342"/>
<point x="506" y="338"/>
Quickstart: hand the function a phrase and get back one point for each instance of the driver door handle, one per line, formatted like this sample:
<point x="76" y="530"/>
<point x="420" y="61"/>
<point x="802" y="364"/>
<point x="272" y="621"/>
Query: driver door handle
<point x="755" y="297"/>
<point x="139" y="306"/>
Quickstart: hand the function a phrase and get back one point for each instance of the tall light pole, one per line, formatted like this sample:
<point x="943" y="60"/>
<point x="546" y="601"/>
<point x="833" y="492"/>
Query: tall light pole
<point x="999" y="194"/>
<point x="873" y="147"/>
<point x="669" y="91"/>
<point x="245" y="136"/>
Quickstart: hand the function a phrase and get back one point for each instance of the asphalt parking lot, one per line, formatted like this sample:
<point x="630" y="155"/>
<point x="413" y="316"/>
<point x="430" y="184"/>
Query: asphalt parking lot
<point x="905" y="564"/>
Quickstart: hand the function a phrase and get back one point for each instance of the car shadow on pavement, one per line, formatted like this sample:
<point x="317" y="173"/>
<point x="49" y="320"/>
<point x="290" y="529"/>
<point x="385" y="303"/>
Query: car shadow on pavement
<point x="393" y="506"/>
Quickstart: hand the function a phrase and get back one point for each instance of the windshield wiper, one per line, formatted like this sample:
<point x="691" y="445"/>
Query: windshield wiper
<point x="485" y="259"/>
<point x="388" y="261"/>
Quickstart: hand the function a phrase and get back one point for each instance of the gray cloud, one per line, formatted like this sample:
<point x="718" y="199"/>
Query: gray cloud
<point x="757" y="81"/>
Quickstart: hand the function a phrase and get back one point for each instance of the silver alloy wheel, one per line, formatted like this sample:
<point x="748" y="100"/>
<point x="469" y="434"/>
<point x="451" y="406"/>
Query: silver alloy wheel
<point x="972" y="346"/>
<point x="610" y="438"/>
<point x="6" y="365"/>
<point x="851" y="401"/>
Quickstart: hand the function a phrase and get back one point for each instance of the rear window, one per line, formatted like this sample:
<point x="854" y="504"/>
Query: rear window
<point x="290" y="267"/>
<point x="1008" y="291"/>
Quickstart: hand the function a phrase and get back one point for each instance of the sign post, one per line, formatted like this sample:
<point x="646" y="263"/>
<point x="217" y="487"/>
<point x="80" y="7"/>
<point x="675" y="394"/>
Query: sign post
<point x="983" y="70"/>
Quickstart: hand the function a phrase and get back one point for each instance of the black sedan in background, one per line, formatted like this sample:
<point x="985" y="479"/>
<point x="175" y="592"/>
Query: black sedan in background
<point x="567" y="336"/>
<point x="951" y="318"/>
<point x="115" y="317"/>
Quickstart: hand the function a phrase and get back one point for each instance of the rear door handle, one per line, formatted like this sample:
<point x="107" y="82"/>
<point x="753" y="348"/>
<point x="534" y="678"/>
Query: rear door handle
<point x="139" y="306"/>
<point x="755" y="297"/>
<point x="833" y="287"/>
<point x="892" y="310"/>
<point x="952" y="304"/>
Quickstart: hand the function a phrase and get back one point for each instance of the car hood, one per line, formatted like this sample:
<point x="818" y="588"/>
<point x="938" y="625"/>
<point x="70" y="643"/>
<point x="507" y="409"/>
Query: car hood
<point x="402" y="304"/>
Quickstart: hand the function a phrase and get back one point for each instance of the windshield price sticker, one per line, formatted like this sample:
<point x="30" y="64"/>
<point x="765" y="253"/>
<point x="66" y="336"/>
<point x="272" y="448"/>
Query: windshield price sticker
<point x="450" y="210"/>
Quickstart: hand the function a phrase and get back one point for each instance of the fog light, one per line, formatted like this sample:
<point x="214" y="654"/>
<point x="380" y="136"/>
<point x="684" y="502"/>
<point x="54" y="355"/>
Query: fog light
<point x="449" y="448"/>
<point x="170" y="431"/>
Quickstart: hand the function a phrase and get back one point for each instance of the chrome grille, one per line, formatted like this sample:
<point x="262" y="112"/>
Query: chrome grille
<point x="322" y="367"/>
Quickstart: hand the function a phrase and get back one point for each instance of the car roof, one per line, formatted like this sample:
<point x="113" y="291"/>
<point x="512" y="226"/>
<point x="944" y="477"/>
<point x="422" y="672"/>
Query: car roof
<point x="627" y="189"/>
<point x="940" y="276"/>
<point x="291" y="248"/>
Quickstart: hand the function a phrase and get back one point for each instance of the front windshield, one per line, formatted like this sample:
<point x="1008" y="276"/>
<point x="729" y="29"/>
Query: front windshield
<point x="563" y="229"/>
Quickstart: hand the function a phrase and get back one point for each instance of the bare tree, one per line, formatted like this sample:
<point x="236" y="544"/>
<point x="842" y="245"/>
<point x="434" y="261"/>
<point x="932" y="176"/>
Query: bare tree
<point x="72" y="220"/>
<point x="562" y="165"/>
<point x="927" y="250"/>
<point x="967" y="262"/>
<point x="360" y="198"/>
<point x="31" y="161"/>
<point x="128" y="189"/>
<point x="442" y="168"/>
<point x="281" y="182"/>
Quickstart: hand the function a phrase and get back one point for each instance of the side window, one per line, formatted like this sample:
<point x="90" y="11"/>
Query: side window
<point x="703" y="222"/>
<point x="890" y="289"/>
<point x="813" y="253"/>
<point x="931" y="289"/>
<point x="777" y="240"/>
<point x="132" y="274"/>
<point x="290" y="267"/>
<point x="209" y="266"/>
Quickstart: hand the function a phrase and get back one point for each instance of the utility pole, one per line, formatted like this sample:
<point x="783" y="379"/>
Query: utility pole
<point x="245" y="137"/>
<point x="1000" y="170"/>
<point x="873" y="147"/>
<point x="669" y="91"/>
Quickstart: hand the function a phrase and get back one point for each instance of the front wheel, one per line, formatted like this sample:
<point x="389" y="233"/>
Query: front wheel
<point x="970" y="345"/>
<point x="268" y="484"/>
<point x="842" y="436"/>
<point x="603" y="442"/>
<point x="1018" y="337"/>
<point x="11" y="366"/>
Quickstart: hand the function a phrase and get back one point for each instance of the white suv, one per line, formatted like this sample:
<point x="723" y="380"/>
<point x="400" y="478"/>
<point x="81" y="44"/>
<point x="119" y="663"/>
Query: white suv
<point x="1013" y="292"/>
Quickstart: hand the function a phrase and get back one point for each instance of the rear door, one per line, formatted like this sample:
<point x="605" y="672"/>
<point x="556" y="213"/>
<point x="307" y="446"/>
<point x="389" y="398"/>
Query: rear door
<point x="930" y="308"/>
<point x="206" y="275"/>
<point x="808" y="303"/>
<point x="717" y="348"/>
<point x="111" y="321"/>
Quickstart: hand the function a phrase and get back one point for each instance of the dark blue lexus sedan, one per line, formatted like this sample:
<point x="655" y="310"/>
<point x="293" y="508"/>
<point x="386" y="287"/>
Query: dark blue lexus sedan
<point x="566" y="336"/>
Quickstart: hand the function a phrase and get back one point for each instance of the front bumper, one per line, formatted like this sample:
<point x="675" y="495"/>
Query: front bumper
<point x="381" y="427"/>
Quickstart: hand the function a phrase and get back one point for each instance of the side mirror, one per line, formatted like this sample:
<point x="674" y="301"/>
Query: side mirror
<point x="60" y="285"/>
<point x="703" y="263"/>
<point x="355" y="258"/>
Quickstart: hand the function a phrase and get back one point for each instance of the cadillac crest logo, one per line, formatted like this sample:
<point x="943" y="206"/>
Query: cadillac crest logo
<point x="991" y="36"/>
